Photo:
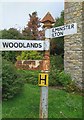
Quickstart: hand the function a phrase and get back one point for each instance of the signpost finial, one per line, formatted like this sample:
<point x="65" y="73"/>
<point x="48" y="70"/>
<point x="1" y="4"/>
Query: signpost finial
<point x="48" y="20"/>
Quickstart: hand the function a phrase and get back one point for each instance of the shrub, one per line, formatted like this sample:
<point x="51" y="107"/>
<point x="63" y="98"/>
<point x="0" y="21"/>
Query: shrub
<point x="54" y="77"/>
<point x="11" y="82"/>
<point x="56" y="66"/>
<point x="59" y="78"/>
<point x="29" y="76"/>
<point x="9" y="56"/>
<point x="32" y="55"/>
<point x="57" y="62"/>
<point x="64" y="78"/>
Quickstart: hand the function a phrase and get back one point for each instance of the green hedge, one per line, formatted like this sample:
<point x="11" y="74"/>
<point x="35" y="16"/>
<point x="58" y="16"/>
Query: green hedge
<point x="11" y="81"/>
<point x="29" y="76"/>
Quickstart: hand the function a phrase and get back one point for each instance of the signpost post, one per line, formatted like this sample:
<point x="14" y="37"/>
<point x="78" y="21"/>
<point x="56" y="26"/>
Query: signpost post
<point x="43" y="65"/>
<point x="43" y="113"/>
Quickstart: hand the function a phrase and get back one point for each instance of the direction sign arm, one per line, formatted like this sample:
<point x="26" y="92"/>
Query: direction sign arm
<point x="48" y="33"/>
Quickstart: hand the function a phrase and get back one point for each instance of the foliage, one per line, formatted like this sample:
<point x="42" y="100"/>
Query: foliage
<point x="26" y="105"/>
<point x="29" y="76"/>
<point x="11" y="33"/>
<point x="59" y="78"/>
<point x="32" y="27"/>
<point x="64" y="78"/>
<point x="60" y="20"/>
<point x="12" y="83"/>
<point x="57" y="44"/>
<point x="56" y="62"/>
<point x="56" y="66"/>
<point x="9" y="56"/>
<point x="32" y="55"/>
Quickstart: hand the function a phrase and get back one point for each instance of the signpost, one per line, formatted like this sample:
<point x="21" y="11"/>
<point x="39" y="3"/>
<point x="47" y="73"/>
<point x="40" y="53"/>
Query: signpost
<point x="43" y="65"/>
<point x="22" y="45"/>
<point x="43" y="111"/>
<point x="61" y="31"/>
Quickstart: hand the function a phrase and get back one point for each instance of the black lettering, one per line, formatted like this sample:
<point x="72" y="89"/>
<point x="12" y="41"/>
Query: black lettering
<point x="32" y="45"/>
<point x="36" y="45"/>
<point x="55" y="34"/>
<point x="63" y="28"/>
<point x="61" y="33"/>
<point x="28" y="45"/>
<point x="57" y="29"/>
<point x="53" y="30"/>
<point x="40" y="45"/>
<point x="72" y="26"/>
<point x="43" y="79"/>
<point x="25" y="46"/>
<point x="21" y="45"/>
<point x="16" y="45"/>
<point x="60" y="28"/>
<point x="58" y="33"/>
<point x="67" y="26"/>
<point x="10" y="44"/>
<point x="5" y="45"/>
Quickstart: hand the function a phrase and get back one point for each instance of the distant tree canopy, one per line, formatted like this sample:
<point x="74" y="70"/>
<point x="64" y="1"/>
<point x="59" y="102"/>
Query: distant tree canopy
<point x="59" y="20"/>
<point x="11" y="33"/>
<point x="57" y="44"/>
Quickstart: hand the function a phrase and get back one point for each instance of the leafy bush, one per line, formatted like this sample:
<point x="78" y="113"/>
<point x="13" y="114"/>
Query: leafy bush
<point x="59" y="78"/>
<point x="9" y="56"/>
<point x="29" y="76"/>
<point x="26" y="55"/>
<point x="11" y="82"/>
<point x="56" y="62"/>
<point x="64" y="78"/>
<point x="57" y="75"/>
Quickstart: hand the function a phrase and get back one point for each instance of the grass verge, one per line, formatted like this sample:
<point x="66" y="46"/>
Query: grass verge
<point x="26" y="105"/>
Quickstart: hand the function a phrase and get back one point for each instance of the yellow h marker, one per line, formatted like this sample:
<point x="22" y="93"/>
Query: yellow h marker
<point x="43" y="79"/>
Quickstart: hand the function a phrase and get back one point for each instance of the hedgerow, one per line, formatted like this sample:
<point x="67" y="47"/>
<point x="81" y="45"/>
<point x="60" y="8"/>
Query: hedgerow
<point x="11" y="81"/>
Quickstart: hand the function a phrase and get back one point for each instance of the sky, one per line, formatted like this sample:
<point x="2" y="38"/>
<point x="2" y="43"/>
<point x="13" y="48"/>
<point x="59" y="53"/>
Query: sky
<point x="16" y="14"/>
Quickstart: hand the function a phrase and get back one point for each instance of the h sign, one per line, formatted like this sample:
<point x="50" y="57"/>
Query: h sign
<point x="43" y="79"/>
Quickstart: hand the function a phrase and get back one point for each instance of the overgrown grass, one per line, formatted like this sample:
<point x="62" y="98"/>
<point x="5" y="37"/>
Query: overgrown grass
<point x="26" y="104"/>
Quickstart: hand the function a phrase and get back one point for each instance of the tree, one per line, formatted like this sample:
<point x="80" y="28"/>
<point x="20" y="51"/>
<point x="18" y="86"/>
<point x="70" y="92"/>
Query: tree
<point x="31" y="31"/>
<point x="57" y="44"/>
<point x="11" y="33"/>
